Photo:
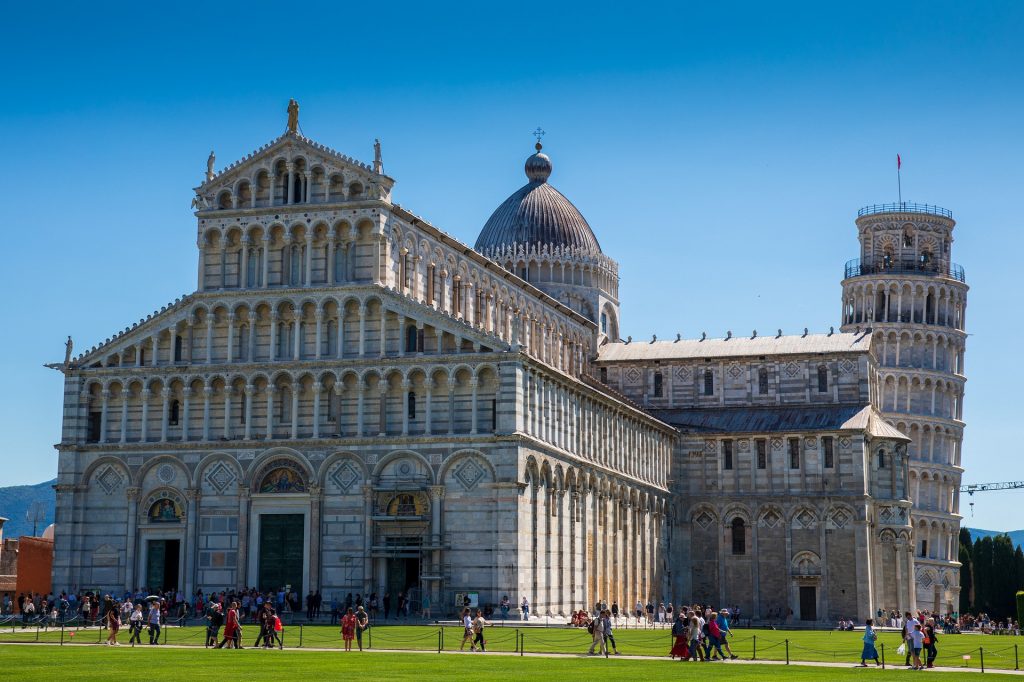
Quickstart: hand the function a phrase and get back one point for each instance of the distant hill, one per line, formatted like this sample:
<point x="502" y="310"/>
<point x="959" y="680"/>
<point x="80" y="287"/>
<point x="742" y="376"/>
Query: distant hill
<point x="15" y="501"/>
<point x="1016" y="536"/>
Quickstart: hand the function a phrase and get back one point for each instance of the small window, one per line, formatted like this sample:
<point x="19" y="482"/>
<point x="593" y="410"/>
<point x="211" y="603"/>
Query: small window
<point x="142" y="356"/>
<point x="822" y="379"/>
<point x="762" y="454"/>
<point x="175" y="413"/>
<point x="762" y="381"/>
<point x="494" y="414"/>
<point x="604" y="322"/>
<point x="658" y="385"/>
<point x="709" y="382"/>
<point x="727" y="454"/>
<point x="827" y="448"/>
<point x="881" y="458"/>
<point x="411" y="403"/>
<point x="245" y="398"/>
<point x="410" y="339"/>
<point x="908" y="238"/>
<point x="177" y="349"/>
<point x="794" y="453"/>
<point x="739" y="536"/>
<point x="604" y="375"/>
<point x="924" y="549"/>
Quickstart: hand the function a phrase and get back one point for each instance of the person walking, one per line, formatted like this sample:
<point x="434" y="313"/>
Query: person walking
<point x="869" y="651"/>
<point x="478" y="631"/>
<point x="154" y="623"/>
<point x="362" y="622"/>
<point x="214" y="620"/>
<point x="135" y="625"/>
<point x="113" y="625"/>
<point x="694" y="636"/>
<point x="680" y="649"/>
<point x="524" y="606"/>
<point x="467" y="630"/>
<point x="596" y="629"/>
<point x="714" y="640"/>
<point x="425" y="605"/>
<point x="930" y="638"/>
<point x="917" y="643"/>
<point x="723" y="625"/>
<point x="348" y="629"/>
<point x="231" y="634"/>
<point x="908" y="627"/>
<point x="506" y="606"/>
<point x="606" y="623"/>
<point x="265" y="624"/>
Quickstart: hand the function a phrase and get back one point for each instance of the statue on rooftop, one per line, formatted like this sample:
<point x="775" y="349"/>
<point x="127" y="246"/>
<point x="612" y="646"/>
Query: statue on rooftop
<point x="378" y="162"/>
<point x="209" y="166"/>
<point x="293" y="116"/>
<point x="69" y="346"/>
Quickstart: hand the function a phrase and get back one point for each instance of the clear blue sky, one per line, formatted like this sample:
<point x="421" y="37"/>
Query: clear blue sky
<point x="720" y="152"/>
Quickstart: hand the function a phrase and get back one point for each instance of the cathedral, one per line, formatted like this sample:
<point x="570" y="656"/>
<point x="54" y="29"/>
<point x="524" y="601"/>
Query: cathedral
<point x="354" y="400"/>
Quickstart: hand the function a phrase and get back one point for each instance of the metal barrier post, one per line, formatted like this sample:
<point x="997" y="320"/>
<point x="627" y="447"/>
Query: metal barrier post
<point x="439" y="640"/>
<point x="62" y="633"/>
<point x="522" y="643"/>
<point x="37" y="632"/>
<point x="300" y="635"/>
<point x="883" y="655"/>
<point x="981" y="654"/>
<point x="369" y="642"/>
<point x="787" y="652"/>
<point x="1016" y="661"/>
<point x="165" y="633"/>
<point x="754" y="657"/>
<point x="516" y="650"/>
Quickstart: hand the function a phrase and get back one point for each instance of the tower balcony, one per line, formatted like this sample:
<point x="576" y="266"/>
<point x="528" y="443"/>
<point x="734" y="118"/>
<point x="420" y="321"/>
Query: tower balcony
<point x="896" y="266"/>
<point x="905" y="207"/>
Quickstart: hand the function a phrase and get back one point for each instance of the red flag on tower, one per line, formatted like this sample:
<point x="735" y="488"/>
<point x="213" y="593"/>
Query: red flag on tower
<point x="898" y="162"/>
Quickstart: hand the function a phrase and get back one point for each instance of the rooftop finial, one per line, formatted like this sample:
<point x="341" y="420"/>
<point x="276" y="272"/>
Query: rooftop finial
<point x="538" y="133"/>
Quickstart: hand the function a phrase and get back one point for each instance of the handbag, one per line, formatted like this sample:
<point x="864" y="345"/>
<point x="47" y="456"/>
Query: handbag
<point x="901" y="649"/>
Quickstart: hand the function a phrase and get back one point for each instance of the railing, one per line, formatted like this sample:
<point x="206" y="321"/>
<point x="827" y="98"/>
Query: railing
<point x="905" y="207"/>
<point x="880" y="266"/>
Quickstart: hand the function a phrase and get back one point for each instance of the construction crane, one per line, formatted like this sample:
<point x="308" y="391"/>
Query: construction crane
<point x="972" y="488"/>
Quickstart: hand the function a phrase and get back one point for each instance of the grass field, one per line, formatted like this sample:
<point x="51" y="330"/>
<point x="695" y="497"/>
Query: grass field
<point x="817" y="646"/>
<point x="123" y="663"/>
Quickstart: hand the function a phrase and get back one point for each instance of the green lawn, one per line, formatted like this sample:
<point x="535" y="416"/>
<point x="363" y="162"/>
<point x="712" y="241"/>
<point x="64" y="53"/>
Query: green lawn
<point x="770" y="645"/>
<point x="103" y="663"/>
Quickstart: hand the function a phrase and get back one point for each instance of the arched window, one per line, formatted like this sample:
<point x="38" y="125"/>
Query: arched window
<point x="881" y="458"/>
<point x="709" y="382"/>
<point x="908" y="237"/>
<point x="604" y="323"/>
<point x="739" y="536"/>
<point x="658" y="385"/>
<point x="175" y="413"/>
<point x="822" y="379"/>
<point x="727" y="454"/>
<point x="762" y="381"/>
<point x="410" y="339"/>
<point x="411" y="403"/>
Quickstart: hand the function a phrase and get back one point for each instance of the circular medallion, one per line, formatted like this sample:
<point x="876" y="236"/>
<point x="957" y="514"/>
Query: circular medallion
<point x="165" y="473"/>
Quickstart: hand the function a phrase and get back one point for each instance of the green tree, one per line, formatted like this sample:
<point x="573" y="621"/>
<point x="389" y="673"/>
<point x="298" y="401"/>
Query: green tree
<point x="966" y="577"/>
<point x="982" y="562"/>
<point x="1004" y="578"/>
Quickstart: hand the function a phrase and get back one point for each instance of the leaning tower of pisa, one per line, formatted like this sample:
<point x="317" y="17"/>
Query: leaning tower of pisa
<point x="906" y="289"/>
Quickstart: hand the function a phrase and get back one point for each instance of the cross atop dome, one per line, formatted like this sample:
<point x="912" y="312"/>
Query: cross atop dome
<point x="539" y="133"/>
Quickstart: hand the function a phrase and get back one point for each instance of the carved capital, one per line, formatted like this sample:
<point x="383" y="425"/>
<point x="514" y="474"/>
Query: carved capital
<point x="192" y="494"/>
<point x="132" y="493"/>
<point x="437" y="492"/>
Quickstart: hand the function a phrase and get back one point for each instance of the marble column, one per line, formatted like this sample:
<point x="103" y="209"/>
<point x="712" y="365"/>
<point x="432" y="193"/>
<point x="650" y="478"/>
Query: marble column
<point x="315" y="505"/>
<point x="193" y="497"/>
<point x="130" y="540"/>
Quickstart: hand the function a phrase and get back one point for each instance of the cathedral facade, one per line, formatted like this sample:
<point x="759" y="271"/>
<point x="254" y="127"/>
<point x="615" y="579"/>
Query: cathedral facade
<point x="353" y="400"/>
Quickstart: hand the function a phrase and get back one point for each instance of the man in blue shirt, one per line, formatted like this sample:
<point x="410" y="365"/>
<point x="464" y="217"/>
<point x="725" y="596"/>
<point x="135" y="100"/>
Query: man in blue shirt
<point x="723" y="626"/>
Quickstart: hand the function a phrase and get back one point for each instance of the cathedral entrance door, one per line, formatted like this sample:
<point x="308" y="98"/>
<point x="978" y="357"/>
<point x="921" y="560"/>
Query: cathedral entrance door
<point x="403" y="576"/>
<point x="280" y="557"/>
<point x="162" y="564"/>
<point x="808" y="602"/>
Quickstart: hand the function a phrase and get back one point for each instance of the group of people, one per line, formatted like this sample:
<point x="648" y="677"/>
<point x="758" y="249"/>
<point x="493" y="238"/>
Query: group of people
<point x="270" y="627"/>
<point x="918" y="645"/>
<point x="473" y="630"/>
<point x="699" y="633"/>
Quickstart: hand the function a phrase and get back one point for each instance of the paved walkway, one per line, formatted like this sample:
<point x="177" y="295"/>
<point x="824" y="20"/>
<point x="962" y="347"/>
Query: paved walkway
<point x="814" y="664"/>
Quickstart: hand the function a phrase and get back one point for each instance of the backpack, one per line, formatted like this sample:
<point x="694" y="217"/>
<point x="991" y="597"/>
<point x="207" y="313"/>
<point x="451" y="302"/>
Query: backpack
<point x="590" y="626"/>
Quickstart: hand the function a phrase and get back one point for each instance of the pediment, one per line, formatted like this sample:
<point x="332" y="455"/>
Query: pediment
<point x="308" y="156"/>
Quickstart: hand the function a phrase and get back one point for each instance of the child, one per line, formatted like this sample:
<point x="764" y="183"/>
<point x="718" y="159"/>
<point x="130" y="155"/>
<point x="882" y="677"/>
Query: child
<point x="917" y="641"/>
<point x="869" y="644"/>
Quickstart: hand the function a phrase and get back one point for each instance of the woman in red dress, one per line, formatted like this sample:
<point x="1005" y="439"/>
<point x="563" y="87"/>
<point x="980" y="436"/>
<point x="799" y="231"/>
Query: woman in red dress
<point x="348" y="628"/>
<point x="680" y="648"/>
<point x="231" y="633"/>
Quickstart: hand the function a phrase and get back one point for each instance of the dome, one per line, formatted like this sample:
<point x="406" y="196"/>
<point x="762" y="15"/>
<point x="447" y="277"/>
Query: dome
<point x="537" y="213"/>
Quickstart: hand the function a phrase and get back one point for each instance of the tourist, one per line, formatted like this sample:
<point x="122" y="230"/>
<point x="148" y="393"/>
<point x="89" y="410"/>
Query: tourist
<point x="467" y="633"/>
<point x="723" y="625"/>
<point x="266" y="624"/>
<point x="714" y="640"/>
<point x="114" y="624"/>
<point x="606" y="623"/>
<point x="869" y="650"/>
<point x="154" y="623"/>
<point x="930" y="639"/>
<point x="615" y="610"/>
<point x="348" y="629"/>
<point x="639" y="610"/>
<point x="662" y="612"/>
<point x="524" y="607"/>
<point x="425" y="605"/>
<point x="362" y="622"/>
<point x="478" y="631"/>
<point x="506" y="606"/>
<point x="917" y="643"/>
<point x="232" y="636"/>
<point x="694" y="635"/>
<point x="908" y="627"/>
<point x="135" y="625"/>
<point x="214" y="618"/>
<point x="276" y="630"/>
<point x="596" y="629"/>
<point x="679" y="642"/>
